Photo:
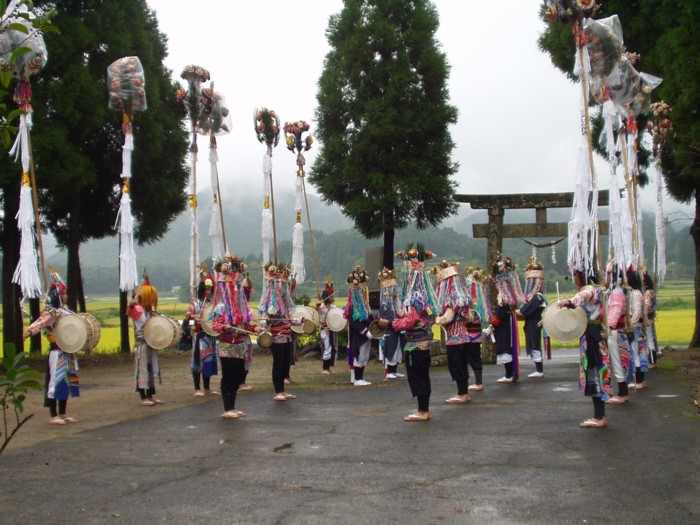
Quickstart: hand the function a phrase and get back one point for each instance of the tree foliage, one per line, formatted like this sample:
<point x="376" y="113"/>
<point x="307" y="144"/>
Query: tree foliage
<point x="383" y="118"/>
<point x="664" y="33"/>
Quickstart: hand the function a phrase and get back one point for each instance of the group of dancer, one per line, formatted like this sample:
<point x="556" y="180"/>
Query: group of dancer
<point x="407" y="312"/>
<point x="620" y="337"/>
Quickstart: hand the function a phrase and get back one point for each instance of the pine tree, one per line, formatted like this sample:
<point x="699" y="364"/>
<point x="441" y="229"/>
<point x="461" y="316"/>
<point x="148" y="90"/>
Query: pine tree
<point x="383" y="119"/>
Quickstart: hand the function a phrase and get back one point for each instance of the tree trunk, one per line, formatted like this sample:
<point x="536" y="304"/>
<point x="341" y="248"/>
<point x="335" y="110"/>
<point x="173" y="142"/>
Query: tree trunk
<point x="34" y="313"/>
<point x="695" y="233"/>
<point x="73" y="271"/>
<point x="11" y="293"/>
<point x="388" y="259"/>
<point x="124" y="323"/>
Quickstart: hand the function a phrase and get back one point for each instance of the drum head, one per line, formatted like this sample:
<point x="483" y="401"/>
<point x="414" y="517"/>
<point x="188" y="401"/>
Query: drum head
<point x="307" y="315"/>
<point x="71" y="332"/>
<point x="335" y="320"/>
<point x="206" y="321"/>
<point x="375" y="330"/>
<point x="159" y="332"/>
<point x="265" y="340"/>
<point x="564" y="324"/>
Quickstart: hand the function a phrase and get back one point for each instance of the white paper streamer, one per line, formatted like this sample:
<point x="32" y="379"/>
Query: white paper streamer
<point x="298" y="237"/>
<point x="128" y="278"/>
<point x="27" y="271"/>
<point x="583" y="225"/>
<point x="194" y="231"/>
<point x="660" y="255"/>
<point x="266" y="232"/>
<point x="216" y="233"/>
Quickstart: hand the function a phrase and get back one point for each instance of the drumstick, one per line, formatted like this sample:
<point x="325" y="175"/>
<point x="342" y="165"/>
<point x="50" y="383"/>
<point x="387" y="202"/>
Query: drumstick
<point x="246" y="331"/>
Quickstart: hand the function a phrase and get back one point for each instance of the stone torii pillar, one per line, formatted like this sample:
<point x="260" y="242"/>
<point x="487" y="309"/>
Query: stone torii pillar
<point x="495" y="231"/>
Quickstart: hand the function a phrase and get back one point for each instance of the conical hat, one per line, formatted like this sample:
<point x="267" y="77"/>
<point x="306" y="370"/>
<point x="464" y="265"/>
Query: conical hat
<point x="564" y="324"/>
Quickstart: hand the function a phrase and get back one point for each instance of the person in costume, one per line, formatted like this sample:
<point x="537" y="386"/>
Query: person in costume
<point x="276" y="308"/>
<point x="618" y="340"/>
<point x="419" y="306"/>
<point x="531" y="310"/>
<point x="203" y="364"/>
<point x="640" y="349"/>
<point x="477" y="282"/>
<point x="594" y="371"/>
<point x="231" y="315"/>
<point x="147" y="368"/>
<point x="61" y="379"/>
<point x="455" y="302"/>
<point x="357" y="312"/>
<point x="503" y="325"/>
<point x="248" y="290"/>
<point x="393" y="342"/>
<point x="328" y="337"/>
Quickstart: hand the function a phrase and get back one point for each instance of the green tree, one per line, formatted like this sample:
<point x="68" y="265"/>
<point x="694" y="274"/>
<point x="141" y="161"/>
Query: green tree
<point x="78" y="140"/>
<point x="664" y="33"/>
<point x="383" y="119"/>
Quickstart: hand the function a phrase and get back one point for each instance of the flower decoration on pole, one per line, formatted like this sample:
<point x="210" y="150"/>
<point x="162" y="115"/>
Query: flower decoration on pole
<point x="267" y="130"/>
<point x="127" y="95"/>
<point x="215" y="120"/>
<point x="293" y="132"/>
<point x="26" y="56"/>
<point x="192" y="101"/>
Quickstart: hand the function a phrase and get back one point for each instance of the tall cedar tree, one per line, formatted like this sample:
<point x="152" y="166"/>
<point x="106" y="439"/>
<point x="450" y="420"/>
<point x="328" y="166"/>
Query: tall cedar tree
<point x="664" y="33"/>
<point x="383" y="119"/>
<point x="77" y="140"/>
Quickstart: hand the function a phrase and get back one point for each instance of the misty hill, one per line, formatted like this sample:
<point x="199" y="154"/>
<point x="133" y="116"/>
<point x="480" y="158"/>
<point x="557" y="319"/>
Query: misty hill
<point x="338" y="246"/>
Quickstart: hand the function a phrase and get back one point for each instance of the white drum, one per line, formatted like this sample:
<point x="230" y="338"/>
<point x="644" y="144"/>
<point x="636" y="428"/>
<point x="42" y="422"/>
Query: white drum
<point x="161" y="331"/>
<point x="310" y="319"/>
<point x="564" y="324"/>
<point x="335" y="319"/>
<point x="206" y="321"/>
<point x="72" y="333"/>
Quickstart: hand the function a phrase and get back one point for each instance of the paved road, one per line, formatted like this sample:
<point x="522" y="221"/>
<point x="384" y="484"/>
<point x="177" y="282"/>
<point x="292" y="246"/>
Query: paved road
<point x="345" y="456"/>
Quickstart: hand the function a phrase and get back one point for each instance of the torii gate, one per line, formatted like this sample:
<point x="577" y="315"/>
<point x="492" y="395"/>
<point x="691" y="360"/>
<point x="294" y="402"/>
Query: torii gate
<point x="495" y="231"/>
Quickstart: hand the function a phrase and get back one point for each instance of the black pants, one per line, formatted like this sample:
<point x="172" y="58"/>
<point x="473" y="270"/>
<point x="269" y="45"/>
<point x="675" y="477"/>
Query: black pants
<point x="281" y="362"/>
<point x="51" y="403"/>
<point x="196" y="377"/>
<point x="146" y="392"/>
<point x="457" y="364"/>
<point x="418" y="374"/>
<point x="232" y="376"/>
<point x="474" y="358"/>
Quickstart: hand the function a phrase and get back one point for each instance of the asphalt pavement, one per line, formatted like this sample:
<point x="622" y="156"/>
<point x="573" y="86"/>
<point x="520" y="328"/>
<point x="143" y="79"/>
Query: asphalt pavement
<point x="514" y="455"/>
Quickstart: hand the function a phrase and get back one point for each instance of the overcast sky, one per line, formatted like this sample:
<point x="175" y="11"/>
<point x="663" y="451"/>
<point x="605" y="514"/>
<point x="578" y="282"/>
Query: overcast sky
<point x="518" y="126"/>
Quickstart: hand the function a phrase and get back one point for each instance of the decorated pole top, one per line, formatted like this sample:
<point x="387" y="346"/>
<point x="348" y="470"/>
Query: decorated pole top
<point x="215" y="117"/>
<point x="293" y="132"/>
<point x="267" y="126"/>
<point x="191" y="98"/>
<point x="126" y="85"/>
<point x="570" y="11"/>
